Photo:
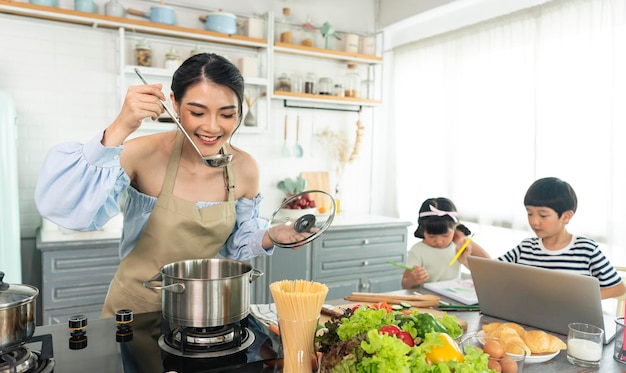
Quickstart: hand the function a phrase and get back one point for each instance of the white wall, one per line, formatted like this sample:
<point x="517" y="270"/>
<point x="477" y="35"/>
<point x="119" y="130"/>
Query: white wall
<point x="63" y="79"/>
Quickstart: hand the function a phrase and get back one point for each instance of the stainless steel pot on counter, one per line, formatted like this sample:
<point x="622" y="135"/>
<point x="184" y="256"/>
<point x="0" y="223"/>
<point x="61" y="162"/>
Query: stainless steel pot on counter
<point x="205" y="292"/>
<point x="17" y="313"/>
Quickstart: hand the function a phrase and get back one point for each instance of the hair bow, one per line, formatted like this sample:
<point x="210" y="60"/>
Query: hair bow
<point x="436" y="212"/>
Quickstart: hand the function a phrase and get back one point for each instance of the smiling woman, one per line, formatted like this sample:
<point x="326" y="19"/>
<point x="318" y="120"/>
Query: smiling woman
<point x="513" y="78"/>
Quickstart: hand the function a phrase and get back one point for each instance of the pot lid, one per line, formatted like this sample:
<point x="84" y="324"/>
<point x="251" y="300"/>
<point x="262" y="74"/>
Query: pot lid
<point x="12" y="295"/>
<point x="310" y="212"/>
<point x="220" y="13"/>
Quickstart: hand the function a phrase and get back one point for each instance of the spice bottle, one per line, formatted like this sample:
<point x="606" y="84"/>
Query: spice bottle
<point x="352" y="82"/>
<point x="310" y="83"/>
<point x="297" y="83"/>
<point x="143" y="53"/>
<point x="172" y="59"/>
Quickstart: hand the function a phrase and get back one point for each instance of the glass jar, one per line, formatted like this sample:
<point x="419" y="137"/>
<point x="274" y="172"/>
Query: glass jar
<point x="284" y="32"/>
<point x="172" y="59"/>
<point x="297" y="83"/>
<point x="352" y="82"/>
<point x="325" y="86"/>
<point x="143" y="53"/>
<point x="310" y="83"/>
<point x="339" y="91"/>
<point x="284" y="83"/>
<point x="308" y="34"/>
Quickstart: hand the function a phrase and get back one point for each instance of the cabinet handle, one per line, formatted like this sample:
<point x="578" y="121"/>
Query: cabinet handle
<point x="366" y="241"/>
<point x="365" y="263"/>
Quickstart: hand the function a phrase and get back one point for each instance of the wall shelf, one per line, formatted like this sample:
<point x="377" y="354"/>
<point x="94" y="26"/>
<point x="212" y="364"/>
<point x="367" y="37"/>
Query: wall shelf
<point x="103" y="21"/>
<point x="326" y="54"/>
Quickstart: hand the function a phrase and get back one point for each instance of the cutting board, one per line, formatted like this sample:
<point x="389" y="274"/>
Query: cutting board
<point x="462" y="323"/>
<point x="318" y="181"/>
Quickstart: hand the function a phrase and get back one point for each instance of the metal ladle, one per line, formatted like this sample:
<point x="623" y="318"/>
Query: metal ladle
<point x="218" y="160"/>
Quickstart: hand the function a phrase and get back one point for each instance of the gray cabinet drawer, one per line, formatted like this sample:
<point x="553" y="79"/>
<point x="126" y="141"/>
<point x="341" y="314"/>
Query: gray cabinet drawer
<point x="333" y="242"/>
<point x="78" y="291"/>
<point x="366" y="262"/>
<point x="79" y="263"/>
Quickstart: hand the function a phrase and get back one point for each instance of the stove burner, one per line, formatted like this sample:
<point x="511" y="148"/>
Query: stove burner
<point x="207" y="342"/>
<point x="24" y="360"/>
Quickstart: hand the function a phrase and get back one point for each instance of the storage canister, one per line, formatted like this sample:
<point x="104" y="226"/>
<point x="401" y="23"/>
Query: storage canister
<point x="326" y="86"/>
<point x="352" y="82"/>
<point x="143" y="53"/>
<point x="172" y="59"/>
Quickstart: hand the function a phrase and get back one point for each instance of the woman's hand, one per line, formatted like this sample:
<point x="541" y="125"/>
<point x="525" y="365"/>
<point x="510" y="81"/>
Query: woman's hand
<point x="286" y="234"/>
<point x="141" y="102"/>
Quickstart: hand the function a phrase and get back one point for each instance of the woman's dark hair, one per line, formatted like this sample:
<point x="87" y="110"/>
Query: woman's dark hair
<point x="436" y="222"/>
<point x="212" y="68"/>
<point x="552" y="192"/>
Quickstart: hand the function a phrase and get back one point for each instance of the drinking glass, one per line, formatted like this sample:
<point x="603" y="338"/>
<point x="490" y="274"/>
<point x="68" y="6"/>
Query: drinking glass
<point x="584" y="345"/>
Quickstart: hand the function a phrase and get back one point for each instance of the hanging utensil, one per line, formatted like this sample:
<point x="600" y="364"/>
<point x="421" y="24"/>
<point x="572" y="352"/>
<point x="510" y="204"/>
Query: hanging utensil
<point x="297" y="148"/>
<point x="218" y="160"/>
<point x="286" y="151"/>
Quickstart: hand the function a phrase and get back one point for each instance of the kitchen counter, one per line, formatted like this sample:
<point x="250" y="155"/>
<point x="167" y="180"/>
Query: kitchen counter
<point x="558" y="364"/>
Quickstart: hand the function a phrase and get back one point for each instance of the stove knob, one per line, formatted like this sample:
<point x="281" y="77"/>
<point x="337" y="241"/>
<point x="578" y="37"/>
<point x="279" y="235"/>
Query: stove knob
<point x="124" y="316"/>
<point x="78" y="324"/>
<point x="77" y="342"/>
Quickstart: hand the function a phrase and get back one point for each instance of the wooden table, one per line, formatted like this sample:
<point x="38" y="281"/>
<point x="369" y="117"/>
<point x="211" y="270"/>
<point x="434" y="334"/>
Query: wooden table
<point x="558" y="364"/>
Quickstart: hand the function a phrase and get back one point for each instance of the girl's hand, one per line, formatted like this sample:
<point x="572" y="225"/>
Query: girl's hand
<point x="417" y="276"/>
<point x="141" y="102"/>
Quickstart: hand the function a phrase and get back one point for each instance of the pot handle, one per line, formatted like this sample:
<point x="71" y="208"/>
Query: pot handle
<point x="255" y="274"/>
<point x="137" y="13"/>
<point x="174" y="288"/>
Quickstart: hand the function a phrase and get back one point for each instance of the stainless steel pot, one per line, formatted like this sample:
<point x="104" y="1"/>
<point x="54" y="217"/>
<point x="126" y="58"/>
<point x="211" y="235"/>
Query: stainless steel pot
<point x="17" y="314"/>
<point x="205" y="292"/>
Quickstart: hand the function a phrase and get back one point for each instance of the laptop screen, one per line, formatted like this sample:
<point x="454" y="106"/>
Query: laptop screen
<point x="541" y="298"/>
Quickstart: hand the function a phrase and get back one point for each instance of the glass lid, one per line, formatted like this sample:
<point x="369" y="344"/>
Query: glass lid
<point x="309" y="213"/>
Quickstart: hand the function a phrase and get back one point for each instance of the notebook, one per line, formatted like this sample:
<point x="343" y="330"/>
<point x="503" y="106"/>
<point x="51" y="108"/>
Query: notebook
<point x="538" y="297"/>
<point x="461" y="290"/>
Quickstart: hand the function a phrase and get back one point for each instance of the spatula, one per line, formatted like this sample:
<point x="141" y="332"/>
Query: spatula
<point x="286" y="151"/>
<point x="297" y="148"/>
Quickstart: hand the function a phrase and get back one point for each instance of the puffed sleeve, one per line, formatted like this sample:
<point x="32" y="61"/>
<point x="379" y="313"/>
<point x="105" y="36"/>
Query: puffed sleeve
<point x="79" y="185"/>
<point x="246" y="240"/>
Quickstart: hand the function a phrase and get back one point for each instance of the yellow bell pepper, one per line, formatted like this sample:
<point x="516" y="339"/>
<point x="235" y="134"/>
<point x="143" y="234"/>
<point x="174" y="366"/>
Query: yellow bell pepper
<point x="449" y="351"/>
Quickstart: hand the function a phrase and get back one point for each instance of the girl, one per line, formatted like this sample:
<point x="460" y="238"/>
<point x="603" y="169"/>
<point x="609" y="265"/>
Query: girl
<point x="441" y="234"/>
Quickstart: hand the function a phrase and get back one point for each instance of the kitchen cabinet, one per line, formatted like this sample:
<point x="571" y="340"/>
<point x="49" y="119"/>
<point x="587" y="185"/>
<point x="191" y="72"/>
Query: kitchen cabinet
<point x="75" y="277"/>
<point x="348" y="257"/>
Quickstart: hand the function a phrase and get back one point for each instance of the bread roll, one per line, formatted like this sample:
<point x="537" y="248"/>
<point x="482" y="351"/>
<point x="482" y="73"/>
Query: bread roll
<point x="513" y="342"/>
<point x="488" y="328"/>
<point x="541" y="342"/>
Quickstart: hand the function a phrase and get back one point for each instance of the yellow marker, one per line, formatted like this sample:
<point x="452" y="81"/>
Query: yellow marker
<point x="458" y="253"/>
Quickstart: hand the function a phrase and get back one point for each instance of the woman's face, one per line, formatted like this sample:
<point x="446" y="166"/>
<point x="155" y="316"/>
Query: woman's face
<point x="208" y="112"/>
<point x="439" y="241"/>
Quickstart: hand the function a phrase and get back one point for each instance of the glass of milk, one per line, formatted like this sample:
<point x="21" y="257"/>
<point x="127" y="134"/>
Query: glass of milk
<point x="584" y="345"/>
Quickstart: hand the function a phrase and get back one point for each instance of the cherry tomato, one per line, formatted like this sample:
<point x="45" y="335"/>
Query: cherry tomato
<point x="406" y="338"/>
<point x="389" y="329"/>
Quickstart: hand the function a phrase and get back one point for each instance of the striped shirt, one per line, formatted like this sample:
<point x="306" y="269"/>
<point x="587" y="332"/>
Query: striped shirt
<point x="582" y="255"/>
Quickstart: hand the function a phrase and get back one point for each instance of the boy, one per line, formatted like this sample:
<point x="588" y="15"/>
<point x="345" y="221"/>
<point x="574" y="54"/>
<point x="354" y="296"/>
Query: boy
<point x="551" y="204"/>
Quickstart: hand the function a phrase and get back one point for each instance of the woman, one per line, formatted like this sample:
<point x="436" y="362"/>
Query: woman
<point x="80" y="185"/>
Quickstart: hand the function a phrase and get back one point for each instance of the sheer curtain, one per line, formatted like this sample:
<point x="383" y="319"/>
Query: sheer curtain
<point x="483" y="111"/>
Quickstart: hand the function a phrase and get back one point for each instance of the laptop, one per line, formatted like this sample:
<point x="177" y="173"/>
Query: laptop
<point x="538" y="297"/>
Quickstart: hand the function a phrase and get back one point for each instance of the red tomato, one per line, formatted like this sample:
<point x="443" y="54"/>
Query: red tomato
<point x="389" y="329"/>
<point x="406" y="338"/>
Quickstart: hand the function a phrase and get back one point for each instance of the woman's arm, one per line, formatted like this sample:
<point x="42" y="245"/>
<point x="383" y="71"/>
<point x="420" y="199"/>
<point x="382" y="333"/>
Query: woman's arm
<point x="613" y="291"/>
<point x="79" y="185"/>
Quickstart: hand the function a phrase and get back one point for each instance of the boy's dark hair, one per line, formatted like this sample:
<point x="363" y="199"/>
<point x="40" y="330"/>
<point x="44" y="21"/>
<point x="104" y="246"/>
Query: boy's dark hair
<point x="436" y="223"/>
<point x="551" y="192"/>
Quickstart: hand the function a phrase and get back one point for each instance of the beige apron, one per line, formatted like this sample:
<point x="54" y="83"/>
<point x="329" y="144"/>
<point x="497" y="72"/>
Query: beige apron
<point x="176" y="230"/>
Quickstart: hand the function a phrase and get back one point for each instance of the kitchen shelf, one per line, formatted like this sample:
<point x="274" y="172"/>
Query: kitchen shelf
<point x="103" y="21"/>
<point x="326" y="54"/>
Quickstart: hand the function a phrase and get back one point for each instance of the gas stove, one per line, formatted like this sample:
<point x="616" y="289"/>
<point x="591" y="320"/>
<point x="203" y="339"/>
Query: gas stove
<point x="146" y="344"/>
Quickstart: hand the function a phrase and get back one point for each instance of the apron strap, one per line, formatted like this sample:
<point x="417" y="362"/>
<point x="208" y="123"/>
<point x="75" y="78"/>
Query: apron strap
<point x="172" y="165"/>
